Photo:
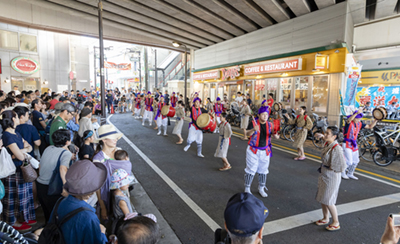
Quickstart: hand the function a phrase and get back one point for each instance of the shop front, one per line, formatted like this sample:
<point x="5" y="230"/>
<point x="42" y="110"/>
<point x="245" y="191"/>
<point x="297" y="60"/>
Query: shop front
<point x="310" y="79"/>
<point x="25" y="67"/>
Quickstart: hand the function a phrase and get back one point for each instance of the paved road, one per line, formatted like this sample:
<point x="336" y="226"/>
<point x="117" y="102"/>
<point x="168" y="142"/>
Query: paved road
<point x="292" y="187"/>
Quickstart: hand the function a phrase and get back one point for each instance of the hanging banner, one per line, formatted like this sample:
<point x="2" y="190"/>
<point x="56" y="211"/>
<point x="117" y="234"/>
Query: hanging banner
<point x="353" y="76"/>
<point x="123" y="66"/>
<point x="383" y="95"/>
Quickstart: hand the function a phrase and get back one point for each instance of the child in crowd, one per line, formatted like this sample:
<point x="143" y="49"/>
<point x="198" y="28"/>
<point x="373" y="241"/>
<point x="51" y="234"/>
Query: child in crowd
<point x="121" y="155"/>
<point x="120" y="181"/>
<point x="225" y="133"/>
<point x="86" y="147"/>
<point x="97" y="108"/>
<point x="180" y="116"/>
<point x="122" y="104"/>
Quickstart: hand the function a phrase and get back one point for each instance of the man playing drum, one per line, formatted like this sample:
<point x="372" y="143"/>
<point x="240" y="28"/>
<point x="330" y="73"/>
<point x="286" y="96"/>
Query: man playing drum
<point x="148" y="113"/>
<point x="160" y="119"/>
<point x="350" y="132"/>
<point x="258" y="151"/>
<point x="174" y="100"/>
<point x="195" y="133"/>
<point x="218" y="107"/>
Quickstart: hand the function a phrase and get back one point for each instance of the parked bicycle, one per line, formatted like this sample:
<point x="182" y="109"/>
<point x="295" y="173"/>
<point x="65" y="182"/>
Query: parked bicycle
<point x="321" y="126"/>
<point x="387" y="145"/>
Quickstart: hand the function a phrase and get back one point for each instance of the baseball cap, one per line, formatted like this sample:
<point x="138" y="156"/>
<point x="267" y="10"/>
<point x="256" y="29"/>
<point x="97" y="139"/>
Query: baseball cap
<point x="245" y="214"/>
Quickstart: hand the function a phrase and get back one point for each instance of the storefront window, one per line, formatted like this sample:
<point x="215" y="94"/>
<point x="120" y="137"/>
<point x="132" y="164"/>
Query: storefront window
<point x="301" y="91"/>
<point x="249" y="88"/>
<point x="28" y="43"/>
<point x="9" y="40"/>
<point x="272" y="87"/>
<point x="259" y="91"/>
<point x="320" y="94"/>
<point x="233" y="89"/>
<point x="286" y="89"/>
<point x="206" y="92"/>
<point x="213" y="90"/>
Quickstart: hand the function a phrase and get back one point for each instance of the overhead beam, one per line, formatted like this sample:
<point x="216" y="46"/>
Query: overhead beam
<point x="299" y="7"/>
<point x="385" y="8"/>
<point x="324" y="3"/>
<point x="251" y="12"/>
<point x="273" y="9"/>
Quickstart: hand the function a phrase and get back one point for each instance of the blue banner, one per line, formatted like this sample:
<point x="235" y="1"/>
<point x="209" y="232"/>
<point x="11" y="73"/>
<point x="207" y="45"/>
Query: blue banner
<point x="378" y="95"/>
<point x="353" y="76"/>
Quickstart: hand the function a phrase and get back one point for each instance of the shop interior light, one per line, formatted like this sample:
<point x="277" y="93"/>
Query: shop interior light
<point x="176" y="44"/>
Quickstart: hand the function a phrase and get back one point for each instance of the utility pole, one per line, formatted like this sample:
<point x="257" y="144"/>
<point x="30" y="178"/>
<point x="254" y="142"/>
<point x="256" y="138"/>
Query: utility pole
<point x="95" y="73"/>
<point x="155" y="68"/>
<point x="102" y="88"/>
<point x="146" y="70"/>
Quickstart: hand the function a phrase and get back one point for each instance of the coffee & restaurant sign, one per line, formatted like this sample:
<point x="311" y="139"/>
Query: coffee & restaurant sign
<point x="271" y="67"/>
<point x="207" y="75"/>
<point x="25" y="65"/>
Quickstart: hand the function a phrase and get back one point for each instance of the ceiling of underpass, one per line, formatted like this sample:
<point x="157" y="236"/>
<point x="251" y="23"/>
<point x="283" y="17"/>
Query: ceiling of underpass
<point x="201" y="23"/>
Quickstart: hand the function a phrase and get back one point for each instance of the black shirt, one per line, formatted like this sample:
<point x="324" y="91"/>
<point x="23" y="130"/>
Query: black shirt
<point x="263" y="135"/>
<point x="86" y="150"/>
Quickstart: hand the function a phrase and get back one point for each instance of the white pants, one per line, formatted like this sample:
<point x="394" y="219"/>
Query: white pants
<point x="256" y="163"/>
<point x="218" y="120"/>
<point x="137" y="112"/>
<point x="148" y="115"/>
<point x="352" y="158"/>
<point x="162" y="122"/>
<point x="194" y="135"/>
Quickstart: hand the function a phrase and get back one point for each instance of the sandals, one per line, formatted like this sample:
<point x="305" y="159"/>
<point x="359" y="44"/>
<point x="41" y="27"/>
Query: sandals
<point x="321" y="222"/>
<point x="301" y="159"/>
<point x="179" y="142"/>
<point x="332" y="228"/>
<point x="225" y="168"/>
<point x="243" y="139"/>
<point x="296" y="158"/>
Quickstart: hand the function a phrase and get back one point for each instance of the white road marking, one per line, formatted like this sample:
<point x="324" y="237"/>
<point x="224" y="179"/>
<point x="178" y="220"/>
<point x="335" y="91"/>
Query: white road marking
<point x="280" y="224"/>
<point x="203" y="215"/>
<point x="312" y="216"/>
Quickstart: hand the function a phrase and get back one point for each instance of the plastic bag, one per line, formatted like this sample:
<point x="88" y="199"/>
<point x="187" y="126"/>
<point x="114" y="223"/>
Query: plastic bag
<point x="7" y="165"/>
<point x="33" y="161"/>
<point x="2" y="190"/>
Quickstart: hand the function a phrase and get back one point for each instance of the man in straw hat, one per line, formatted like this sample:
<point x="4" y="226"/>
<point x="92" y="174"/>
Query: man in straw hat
<point x="82" y="180"/>
<point x="351" y="129"/>
<point x="259" y="151"/>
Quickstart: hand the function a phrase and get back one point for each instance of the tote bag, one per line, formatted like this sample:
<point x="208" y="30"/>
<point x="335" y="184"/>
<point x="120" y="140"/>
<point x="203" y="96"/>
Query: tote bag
<point x="7" y="165"/>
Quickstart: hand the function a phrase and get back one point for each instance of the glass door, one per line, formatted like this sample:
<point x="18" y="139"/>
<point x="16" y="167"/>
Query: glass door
<point x="213" y="91"/>
<point x="301" y="92"/>
<point x="286" y="92"/>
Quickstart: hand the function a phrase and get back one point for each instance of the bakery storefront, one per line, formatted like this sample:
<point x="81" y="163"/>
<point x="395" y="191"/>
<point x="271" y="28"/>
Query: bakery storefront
<point x="310" y="79"/>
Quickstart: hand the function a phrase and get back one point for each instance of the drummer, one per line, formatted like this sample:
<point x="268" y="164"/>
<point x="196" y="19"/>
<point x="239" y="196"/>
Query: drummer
<point x="350" y="132"/>
<point x="148" y="113"/>
<point x="195" y="133"/>
<point x="259" y="151"/>
<point x="160" y="119"/>
<point x="218" y="108"/>
<point x="173" y="100"/>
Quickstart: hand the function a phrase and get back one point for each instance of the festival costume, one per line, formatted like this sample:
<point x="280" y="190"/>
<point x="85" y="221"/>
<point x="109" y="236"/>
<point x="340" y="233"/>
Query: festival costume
<point x="174" y="100"/>
<point x="195" y="133"/>
<point x="225" y="133"/>
<point x="148" y="113"/>
<point x="302" y="122"/>
<point x="258" y="155"/>
<point x="180" y="115"/>
<point x="218" y="108"/>
<point x="142" y="107"/>
<point x="161" y="120"/>
<point x="350" y="147"/>
<point x="137" y="102"/>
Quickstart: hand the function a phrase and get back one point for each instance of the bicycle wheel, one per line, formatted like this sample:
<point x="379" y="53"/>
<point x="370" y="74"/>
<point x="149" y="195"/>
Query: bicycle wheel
<point x="380" y="160"/>
<point x="366" y="147"/>
<point x="286" y="132"/>
<point x="291" y="133"/>
<point x="318" y="143"/>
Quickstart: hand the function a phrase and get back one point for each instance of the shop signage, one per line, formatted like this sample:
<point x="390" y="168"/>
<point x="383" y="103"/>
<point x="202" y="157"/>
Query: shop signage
<point x="381" y="77"/>
<point x="287" y="65"/>
<point x="321" y="61"/>
<point x="133" y="80"/>
<point x="260" y="85"/>
<point x="353" y="76"/>
<point x="25" y="65"/>
<point x="378" y="95"/>
<point x="123" y="66"/>
<point x="391" y="76"/>
<point x="207" y="75"/>
<point x="230" y="73"/>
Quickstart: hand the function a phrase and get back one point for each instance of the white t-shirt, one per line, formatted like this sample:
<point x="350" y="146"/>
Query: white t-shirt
<point x="239" y="99"/>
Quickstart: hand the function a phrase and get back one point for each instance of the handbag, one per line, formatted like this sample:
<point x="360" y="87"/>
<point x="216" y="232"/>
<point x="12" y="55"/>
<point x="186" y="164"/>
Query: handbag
<point x="56" y="184"/>
<point x="7" y="165"/>
<point x="28" y="172"/>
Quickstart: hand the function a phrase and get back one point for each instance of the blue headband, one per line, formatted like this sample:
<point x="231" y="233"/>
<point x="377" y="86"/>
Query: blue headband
<point x="89" y="135"/>
<point x="263" y="109"/>
<point x="196" y="99"/>
<point x="358" y="116"/>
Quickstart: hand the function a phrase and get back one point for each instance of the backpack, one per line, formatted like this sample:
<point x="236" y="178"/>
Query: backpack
<point x="52" y="233"/>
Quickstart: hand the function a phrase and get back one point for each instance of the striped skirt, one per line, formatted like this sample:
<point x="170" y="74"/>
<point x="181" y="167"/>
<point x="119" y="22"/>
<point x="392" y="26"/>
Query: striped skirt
<point x="328" y="186"/>
<point x="18" y="199"/>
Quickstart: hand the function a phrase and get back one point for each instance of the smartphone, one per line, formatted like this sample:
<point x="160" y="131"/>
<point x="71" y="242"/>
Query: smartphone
<point x="396" y="219"/>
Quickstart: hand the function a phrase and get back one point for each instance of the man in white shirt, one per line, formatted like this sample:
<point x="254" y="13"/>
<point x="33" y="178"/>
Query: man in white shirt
<point x="16" y="91"/>
<point x="239" y="98"/>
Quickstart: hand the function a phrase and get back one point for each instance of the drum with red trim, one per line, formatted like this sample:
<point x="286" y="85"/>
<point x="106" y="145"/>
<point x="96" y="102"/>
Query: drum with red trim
<point x="168" y="111"/>
<point x="206" y="122"/>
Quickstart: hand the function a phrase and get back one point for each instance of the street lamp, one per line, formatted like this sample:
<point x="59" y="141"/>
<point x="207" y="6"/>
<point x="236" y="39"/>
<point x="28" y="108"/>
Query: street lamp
<point x="138" y="55"/>
<point x="178" y="44"/>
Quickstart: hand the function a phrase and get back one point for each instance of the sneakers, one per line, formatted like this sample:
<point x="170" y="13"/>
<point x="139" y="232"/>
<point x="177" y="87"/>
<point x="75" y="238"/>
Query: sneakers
<point x="186" y="148"/>
<point x="344" y="176"/>
<point x="143" y="124"/>
<point x="165" y="134"/>
<point x="200" y="155"/>
<point x="262" y="192"/>
<point x="247" y="189"/>
<point x="159" y="133"/>
<point x="22" y="227"/>
<point x="351" y="176"/>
